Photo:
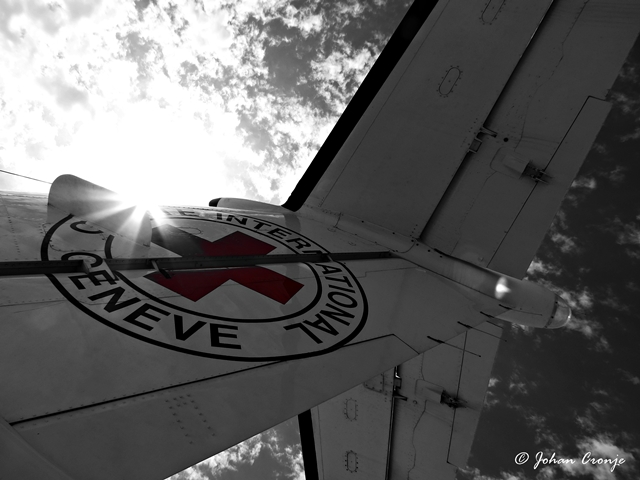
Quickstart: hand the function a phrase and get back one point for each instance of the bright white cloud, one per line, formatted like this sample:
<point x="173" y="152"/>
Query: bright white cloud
<point x="588" y="183"/>
<point x="176" y="102"/>
<point x="246" y="453"/>
<point x="491" y="397"/>
<point x="475" y="474"/>
<point x="538" y="267"/>
<point x="597" y="457"/>
<point x="581" y="301"/>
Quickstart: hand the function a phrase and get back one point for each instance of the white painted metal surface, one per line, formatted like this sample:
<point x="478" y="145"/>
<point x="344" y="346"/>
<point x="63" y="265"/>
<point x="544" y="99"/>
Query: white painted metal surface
<point x="420" y="437"/>
<point x="122" y="352"/>
<point x="138" y="374"/>
<point x="547" y="117"/>
<point x="100" y="206"/>
<point x="351" y="431"/>
<point x="396" y="165"/>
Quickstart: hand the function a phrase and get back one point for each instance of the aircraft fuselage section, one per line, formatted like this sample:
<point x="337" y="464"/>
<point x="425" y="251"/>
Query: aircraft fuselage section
<point x="254" y="313"/>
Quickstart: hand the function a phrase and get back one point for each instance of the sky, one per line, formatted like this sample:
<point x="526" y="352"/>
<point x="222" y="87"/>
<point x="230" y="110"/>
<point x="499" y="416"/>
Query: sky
<point x="181" y="102"/>
<point x="576" y="390"/>
<point x="274" y="454"/>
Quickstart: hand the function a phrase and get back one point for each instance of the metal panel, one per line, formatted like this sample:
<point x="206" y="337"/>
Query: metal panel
<point x="22" y="219"/>
<point x="21" y="460"/>
<point x="408" y="418"/>
<point x="422" y="427"/>
<point x="351" y="431"/>
<point x="532" y="222"/>
<point x="484" y="341"/>
<point x="544" y="110"/>
<point x="155" y="434"/>
<point x="398" y="161"/>
<point x="430" y="438"/>
<point x="79" y="376"/>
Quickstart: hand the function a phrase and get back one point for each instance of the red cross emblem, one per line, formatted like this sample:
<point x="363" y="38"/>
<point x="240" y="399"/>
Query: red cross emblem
<point x="195" y="285"/>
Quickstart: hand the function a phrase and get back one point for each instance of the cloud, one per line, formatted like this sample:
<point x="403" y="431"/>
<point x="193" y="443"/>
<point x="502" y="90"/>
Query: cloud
<point x="516" y="328"/>
<point x="601" y="148"/>
<point x="592" y="330"/>
<point x="258" y="116"/>
<point x="538" y="423"/>
<point x="633" y="286"/>
<point x="628" y="105"/>
<point x="560" y="220"/>
<point x="625" y="99"/>
<point x="519" y="385"/>
<point x="580" y="187"/>
<point x="629" y="377"/>
<point x="599" y="407"/>
<point x="566" y="243"/>
<point x="243" y="453"/>
<point x="475" y="474"/>
<point x="276" y="449"/>
<point x="630" y="73"/>
<point x="594" y="452"/>
<point x="581" y="302"/>
<point x="595" y="413"/>
<point x="65" y="93"/>
<point x="584" y="183"/>
<point x="615" y="176"/>
<point x="543" y="434"/>
<point x="586" y="422"/>
<point x="540" y="268"/>
<point x="614" y="302"/>
<point x="627" y="232"/>
<point x="491" y="397"/>
<point x="635" y="135"/>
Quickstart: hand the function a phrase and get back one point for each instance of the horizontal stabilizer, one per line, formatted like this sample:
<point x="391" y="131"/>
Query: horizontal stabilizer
<point x="415" y="421"/>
